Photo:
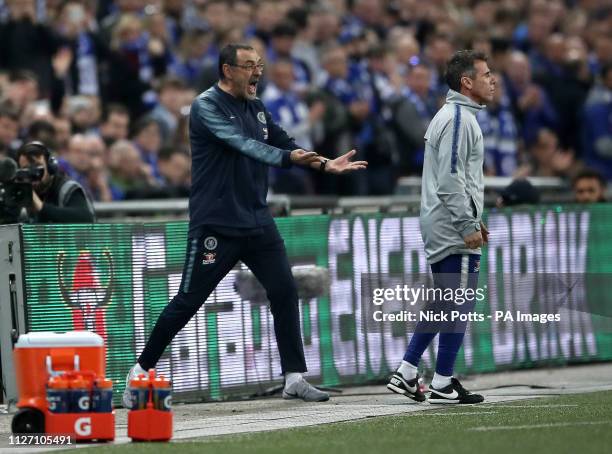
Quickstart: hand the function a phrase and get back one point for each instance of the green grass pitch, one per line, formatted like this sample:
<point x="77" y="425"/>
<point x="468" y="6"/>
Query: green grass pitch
<point x="579" y="424"/>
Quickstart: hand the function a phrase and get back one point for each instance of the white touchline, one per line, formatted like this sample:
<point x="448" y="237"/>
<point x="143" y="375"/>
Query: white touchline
<point x="427" y="413"/>
<point x="539" y="426"/>
<point x="535" y="406"/>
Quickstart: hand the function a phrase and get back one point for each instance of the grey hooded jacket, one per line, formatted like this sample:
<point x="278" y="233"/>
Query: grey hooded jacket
<point x="452" y="191"/>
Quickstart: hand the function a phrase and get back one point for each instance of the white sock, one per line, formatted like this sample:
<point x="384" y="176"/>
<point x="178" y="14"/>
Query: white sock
<point x="440" y="381"/>
<point x="291" y="378"/>
<point x="408" y="370"/>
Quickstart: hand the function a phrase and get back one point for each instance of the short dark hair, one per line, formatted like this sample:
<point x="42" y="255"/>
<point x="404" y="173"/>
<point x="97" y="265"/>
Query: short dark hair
<point x="299" y="16"/>
<point x="141" y="124"/>
<point x="286" y="28"/>
<point x="42" y="131"/>
<point x="33" y="148"/>
<point x="166" y="153"/>
<point x="23" y="75"/>
<point x="228" y="55"/>
<point x="588" y="173"/>
<point x="462" y="64"/>
<point x="114" y="108"/>
<point x="171" y="82"/>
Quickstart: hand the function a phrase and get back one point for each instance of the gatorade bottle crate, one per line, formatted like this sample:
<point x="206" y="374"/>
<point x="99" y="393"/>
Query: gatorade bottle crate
<point x="149" y="425"/>
<point x="80" y="404"/>
<point x="150" y="418"/>
<point x="83" y="426"/>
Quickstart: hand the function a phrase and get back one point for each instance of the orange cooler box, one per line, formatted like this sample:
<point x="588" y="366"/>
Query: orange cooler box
<point x="41" y="355"/>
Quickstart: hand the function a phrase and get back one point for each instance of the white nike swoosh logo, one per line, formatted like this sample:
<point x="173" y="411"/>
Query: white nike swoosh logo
<point x="397" y="381"/>
<point x="452" y="395"/>
<point x="232" y="117"/>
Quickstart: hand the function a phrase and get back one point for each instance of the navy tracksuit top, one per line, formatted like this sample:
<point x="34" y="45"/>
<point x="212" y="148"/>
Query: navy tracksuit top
<point x="233" y="141"/>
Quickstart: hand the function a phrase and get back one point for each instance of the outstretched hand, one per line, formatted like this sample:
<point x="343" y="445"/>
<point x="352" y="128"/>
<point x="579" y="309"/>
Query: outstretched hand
<point x="303" y="157"/>
<point x="343" y="164"/>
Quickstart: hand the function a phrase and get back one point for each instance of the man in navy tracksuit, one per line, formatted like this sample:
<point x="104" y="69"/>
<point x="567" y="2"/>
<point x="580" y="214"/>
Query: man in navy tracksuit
<point x="233" y="141"/>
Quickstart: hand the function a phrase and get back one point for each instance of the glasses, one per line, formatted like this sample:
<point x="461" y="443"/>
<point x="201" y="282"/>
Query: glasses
<point x="250" y="66"/>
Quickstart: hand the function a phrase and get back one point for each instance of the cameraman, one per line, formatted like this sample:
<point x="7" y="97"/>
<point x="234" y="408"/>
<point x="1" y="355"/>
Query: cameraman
<point x="55" y="198"/>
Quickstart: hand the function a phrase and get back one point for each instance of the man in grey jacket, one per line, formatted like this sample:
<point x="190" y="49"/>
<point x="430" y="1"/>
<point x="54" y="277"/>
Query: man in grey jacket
<point x="452" y="196"/>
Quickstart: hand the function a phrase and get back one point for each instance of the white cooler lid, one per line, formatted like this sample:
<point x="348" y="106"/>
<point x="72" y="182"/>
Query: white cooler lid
<point x="51" y="339"/>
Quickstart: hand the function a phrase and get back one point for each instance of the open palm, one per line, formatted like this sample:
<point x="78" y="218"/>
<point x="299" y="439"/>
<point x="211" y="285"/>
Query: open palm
<point x="343" y="164"/>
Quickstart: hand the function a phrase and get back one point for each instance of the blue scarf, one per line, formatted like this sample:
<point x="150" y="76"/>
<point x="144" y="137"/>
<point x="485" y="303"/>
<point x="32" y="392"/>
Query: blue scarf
<point x="87" y="65"/>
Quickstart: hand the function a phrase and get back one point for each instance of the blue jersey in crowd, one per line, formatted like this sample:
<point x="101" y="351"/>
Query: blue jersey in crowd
<point x="500" y="139"/>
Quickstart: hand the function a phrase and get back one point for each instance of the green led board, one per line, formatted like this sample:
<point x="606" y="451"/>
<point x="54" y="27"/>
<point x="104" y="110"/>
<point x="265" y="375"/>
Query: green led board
<point x="115" y="279"/>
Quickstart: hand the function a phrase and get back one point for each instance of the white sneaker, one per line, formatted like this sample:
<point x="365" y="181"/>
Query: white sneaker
<point x="134" y="372"/>
<point x="303" y="390"/>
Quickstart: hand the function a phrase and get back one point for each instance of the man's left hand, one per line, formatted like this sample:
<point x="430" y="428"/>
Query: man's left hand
<point x="485" y="233"/>
<point x="343" y="164"/>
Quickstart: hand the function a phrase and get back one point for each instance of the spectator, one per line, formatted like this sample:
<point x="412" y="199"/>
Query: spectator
<point x="9" y="129"/>
<point x="242" y="11"/>
<point x="63" y="132"/>
<point x="406" y="49"/>
<point x="338" y="85"/>
<point x="268" y="14"/>
<point x="326" y="23"/>
<point x="146" y="137"/>
<point x="532" y="108"/>
<point x="27" y="44"/>
<point x="115" y="124"/>
<point x="566" y="85"/>
<point x="589" y="186"/>
<point x="76" y="163"/>
<point x="121" y="8"/>
<point x="66" y="62"/>
<point x="215" y="16"/>
<point x="499" y="133"/>
<point x="174" y="167"/>
<point x="290" y="112"/>
<point x="529" y="36"/>
<point x="97" y="176"/>
<point x="192" y="56"/>
<point x="168" y="110"/>
<point x="129" y="175"/>
<point x="173" y="14"/>
<point x="42" y="131"/>
<point x="412" y="111"/>
<point x="21" y="90"/>
<point x="304" y="48"/>
<point x="85" y="50"/>
<point x="597" y="125"/>
<point x="82" y="113"/>
<point x="438" y="51"/>
<point x="365" y="13"/>
<point x="546" y="158"/>
<point x="281" y="46"/>
<point x="133" y="65"/>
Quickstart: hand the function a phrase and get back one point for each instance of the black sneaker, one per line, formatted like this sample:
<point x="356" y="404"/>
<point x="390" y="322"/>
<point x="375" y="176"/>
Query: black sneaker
<point x="409" y="388"/>
<point x="453" y="394"/>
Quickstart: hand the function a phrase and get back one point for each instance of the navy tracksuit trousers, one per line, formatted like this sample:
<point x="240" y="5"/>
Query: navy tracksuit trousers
<point x="210" y="256"/>
<point x="455" y="271"/>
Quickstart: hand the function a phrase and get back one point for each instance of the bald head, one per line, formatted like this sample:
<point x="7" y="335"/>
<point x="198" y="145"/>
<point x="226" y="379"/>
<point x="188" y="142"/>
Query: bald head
<point x="519" y="69"/>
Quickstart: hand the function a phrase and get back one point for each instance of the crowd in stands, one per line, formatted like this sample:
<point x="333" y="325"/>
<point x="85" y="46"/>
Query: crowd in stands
<point x="108" y="84"/>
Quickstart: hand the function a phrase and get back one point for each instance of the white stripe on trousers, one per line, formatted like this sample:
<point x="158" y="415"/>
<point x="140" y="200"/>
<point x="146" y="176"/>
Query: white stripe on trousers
<point x="465" y="269"/>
